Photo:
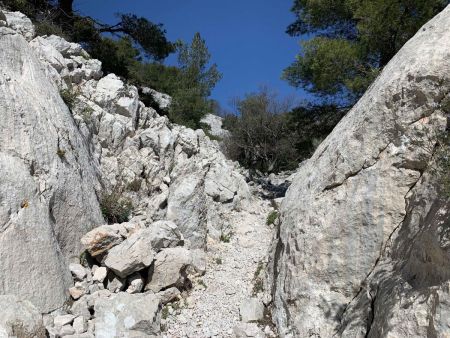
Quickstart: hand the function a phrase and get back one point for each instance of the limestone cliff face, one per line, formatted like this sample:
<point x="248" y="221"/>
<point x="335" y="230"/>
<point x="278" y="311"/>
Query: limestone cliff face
<point x="363" y="241"/>
<point x="47" y="180"/>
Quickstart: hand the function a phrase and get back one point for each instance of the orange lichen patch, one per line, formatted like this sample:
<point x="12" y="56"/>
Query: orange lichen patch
<point x="102" y="242"/>
<point x="24" y="204"/>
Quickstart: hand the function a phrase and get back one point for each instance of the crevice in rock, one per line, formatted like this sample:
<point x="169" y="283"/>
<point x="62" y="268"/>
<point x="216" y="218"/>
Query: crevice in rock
<point x="371" y="316"/>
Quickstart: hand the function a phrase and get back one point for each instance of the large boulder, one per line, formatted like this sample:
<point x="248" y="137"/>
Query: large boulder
<point x="170" y="269"/>
<point x="48" y="181"/>
<point x="359" y="252"/>
<point x="133" y="254"/>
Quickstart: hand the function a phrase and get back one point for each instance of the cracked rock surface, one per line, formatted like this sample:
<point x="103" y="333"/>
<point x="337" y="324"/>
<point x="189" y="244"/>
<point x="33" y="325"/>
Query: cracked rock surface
<point x="346" y="214"/>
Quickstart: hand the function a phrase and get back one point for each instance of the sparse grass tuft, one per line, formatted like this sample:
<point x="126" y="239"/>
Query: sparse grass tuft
<point x="202" y="283"/>
<point x="115" y="207"/>
<point x="69" y="96"/>
<point x="61" y="153"/>
<point x="258" y="284"/>
<point x="272" y="217"/>
<point x="226" y="237"/>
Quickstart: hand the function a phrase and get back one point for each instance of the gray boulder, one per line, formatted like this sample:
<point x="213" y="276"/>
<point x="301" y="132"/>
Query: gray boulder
<point x="215" y="124"/>
<point x="251" y="310"/>
<point x="133" y="254"/>
<point x="169" y="269"/>
<point x="164" y="234"/>
<point x="99" y="240"/>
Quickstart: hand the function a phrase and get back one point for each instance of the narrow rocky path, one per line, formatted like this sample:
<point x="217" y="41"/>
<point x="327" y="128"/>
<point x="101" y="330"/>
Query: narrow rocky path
<point x="212" y="307"/>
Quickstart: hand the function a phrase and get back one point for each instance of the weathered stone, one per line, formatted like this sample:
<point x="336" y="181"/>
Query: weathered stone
<point x="62" y="320"/>
<point x="99" y="240"/>
<point x="64" y="47"/>
<point x="215" y="124"/>
<point x="133" y="254"/>
<point x="359" y="252"/>
<point x="251" y="310"/>
<point x="66" y="330"/>
<point x="41" y="156"/>
<point x="126" y="315"/>
<point x="80" y="324"/>
<point x="135" y="283"/>
<point x="114" y="283"/>
<point x="78" y="271"/>
<point x="164" y="234"/>
<point x="100" y="274"/>
<point x="77" y="291"/>
<point x="19" y="316"/>
<point x="168" y="295"/>
<point x="163" y="100"/>
<point x="20" y="23"/>
<point x="48" y="53"/>
<point x="246" y="330"/>
<point x="169" y="269"/>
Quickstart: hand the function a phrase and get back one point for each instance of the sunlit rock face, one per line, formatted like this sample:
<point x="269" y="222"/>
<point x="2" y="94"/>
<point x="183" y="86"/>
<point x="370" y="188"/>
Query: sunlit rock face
<point x="362" y="249"/>
<point x="47" y="182"/>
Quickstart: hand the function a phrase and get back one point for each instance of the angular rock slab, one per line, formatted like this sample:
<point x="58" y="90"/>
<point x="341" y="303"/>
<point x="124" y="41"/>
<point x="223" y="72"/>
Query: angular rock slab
<point x="169" y="268"/>
<point x="127" y="315"/>
<point x="133" y="254"/>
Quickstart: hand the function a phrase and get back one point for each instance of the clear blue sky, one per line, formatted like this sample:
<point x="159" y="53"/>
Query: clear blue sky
<point x="246" y="38"/>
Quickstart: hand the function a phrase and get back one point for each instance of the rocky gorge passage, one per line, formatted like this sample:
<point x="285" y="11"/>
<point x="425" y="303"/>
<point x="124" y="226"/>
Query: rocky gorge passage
<point x="233" y="281"/>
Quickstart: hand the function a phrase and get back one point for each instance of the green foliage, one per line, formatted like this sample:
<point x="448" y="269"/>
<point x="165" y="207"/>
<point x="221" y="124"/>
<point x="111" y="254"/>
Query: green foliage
<point x="115" y="207"/>
<point x="351" y="40"/>
<point x="202" y="283"/>
<point x="317" y="68"/>
<point x="260" y="135"/>
<point x="196" y="81"/>
<point x="311" y="125"/>
<point x="218" y="261"/>
<point x="116" y="55"/>
<point x="162" y="78"/>
<point x="47" y="27"/>
<point x="272" y="217"/>
<point x="61" y="153"/>
<point x="151" y="37"/>
<point x="258" y="284"/>
<point x="69" y="97"/>
<point x="226" y="237"/>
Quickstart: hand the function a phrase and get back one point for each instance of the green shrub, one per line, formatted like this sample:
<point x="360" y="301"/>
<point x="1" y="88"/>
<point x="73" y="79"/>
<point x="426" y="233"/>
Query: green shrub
<point x="226" y="237"/>
<point x="69" y="97"/>
<point x="272" y="217"/>
<point x="258" y="284"/>
<point x="46" y="27"/>
<point x="115" y="207"/>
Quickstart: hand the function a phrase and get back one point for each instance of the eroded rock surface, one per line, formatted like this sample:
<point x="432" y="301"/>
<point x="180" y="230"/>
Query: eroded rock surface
<point x="47" y="186"/>
<point x="359" y="249"/>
